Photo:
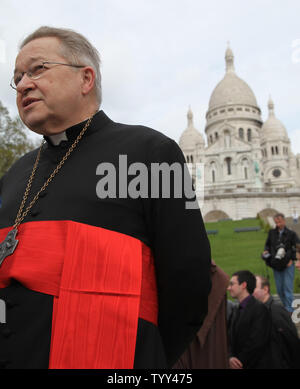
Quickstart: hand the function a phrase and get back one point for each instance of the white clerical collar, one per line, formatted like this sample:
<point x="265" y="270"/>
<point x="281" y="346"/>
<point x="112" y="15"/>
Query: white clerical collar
<point x="57" y="138"/>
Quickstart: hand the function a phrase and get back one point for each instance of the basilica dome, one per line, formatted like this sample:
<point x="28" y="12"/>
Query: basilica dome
<point x="273" y="128"/>
<point x="190" y="136"/>
<point x="231" y="89"/>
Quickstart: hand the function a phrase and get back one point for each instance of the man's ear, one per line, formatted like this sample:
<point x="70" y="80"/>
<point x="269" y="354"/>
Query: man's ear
<point x="88" y="79"/>
<point x="266" y="289"/>
<point x="244" y="285"/>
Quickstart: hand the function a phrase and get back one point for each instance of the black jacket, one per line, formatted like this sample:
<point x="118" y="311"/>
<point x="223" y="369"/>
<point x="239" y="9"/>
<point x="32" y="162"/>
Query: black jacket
<point x="250" y="333"/>
<point x="285" y="344"/>
<point x="288" y="239"/>
<point x="175" y="234"/>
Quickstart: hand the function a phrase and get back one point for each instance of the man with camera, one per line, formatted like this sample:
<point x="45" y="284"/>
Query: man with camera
<point x="279" y="254"/>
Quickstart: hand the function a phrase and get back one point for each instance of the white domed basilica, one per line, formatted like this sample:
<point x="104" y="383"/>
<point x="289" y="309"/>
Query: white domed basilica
<point x="249" y="167"/>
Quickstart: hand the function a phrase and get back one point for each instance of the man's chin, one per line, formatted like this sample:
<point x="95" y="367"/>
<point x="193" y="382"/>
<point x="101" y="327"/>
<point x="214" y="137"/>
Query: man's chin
<point x="34" y="123"/>
<point x="36" y="128"/>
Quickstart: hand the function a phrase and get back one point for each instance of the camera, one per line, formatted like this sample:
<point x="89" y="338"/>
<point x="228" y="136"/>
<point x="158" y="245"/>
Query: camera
<point x="280" y="253"/>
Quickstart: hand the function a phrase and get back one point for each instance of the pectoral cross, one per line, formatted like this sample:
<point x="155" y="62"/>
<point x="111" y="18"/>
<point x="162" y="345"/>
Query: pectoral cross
<point x="8" y="246"/>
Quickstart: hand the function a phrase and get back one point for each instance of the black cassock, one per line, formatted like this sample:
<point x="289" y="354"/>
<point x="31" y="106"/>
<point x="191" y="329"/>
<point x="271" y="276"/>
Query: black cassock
<point x="175" y="235"/>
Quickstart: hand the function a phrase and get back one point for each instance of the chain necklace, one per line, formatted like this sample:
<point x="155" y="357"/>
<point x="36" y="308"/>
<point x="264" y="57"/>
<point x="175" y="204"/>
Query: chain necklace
<point x="8" y="246"/>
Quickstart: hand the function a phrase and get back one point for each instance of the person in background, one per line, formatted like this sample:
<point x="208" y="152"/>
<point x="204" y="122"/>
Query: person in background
<point x="279" y="254"/>
<point x="297" y="264"/>
<point x="250" y="330"/>
<point x="285" y="344"/>
<point x="209" y="349"/>
<point x="295" y="217"/>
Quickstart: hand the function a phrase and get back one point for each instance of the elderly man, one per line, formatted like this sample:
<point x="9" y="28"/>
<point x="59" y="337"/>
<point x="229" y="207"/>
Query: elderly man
<point x="92" y="278"/>
<point x="285" y="344"/>
<point x="280" y="254"/>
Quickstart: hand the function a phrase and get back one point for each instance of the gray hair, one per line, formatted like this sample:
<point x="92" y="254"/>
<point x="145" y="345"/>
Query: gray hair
<point x="74" y="47"/>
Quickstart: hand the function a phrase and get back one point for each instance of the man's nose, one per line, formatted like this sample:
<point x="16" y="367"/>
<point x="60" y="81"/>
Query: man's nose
<point x="25" y="83"/>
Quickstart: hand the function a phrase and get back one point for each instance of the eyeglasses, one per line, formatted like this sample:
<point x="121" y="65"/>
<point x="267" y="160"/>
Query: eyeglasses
<point x="36" y="71"/>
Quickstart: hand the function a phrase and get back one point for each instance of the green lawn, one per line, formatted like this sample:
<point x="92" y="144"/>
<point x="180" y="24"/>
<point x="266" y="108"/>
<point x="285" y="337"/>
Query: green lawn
<point x="234" y="251"/>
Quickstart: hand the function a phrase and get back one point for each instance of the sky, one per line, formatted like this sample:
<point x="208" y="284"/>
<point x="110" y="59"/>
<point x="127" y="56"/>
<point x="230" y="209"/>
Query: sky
<point x="161" y="56"/>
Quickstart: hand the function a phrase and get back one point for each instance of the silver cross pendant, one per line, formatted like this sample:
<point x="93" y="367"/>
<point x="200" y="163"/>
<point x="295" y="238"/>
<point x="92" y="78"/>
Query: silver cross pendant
<point x="8" y="246"/>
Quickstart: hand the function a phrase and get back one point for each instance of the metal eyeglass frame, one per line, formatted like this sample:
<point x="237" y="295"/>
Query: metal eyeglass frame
<point x="32" y="77"/>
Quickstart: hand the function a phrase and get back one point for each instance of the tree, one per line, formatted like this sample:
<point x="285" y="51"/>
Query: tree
<point x="13" y="140"/>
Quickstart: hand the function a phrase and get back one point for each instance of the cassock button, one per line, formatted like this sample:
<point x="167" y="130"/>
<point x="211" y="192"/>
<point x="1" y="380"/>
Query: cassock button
<point x="7" y="332"/>
<point x="64" y="144"/>
<point x="55" y="160"/>
<point x="43" y="194"/>
<point x="35" y="213"/>
<point x="10" y="304"/>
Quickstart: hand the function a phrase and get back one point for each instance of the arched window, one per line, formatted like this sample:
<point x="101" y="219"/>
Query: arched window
<point x="245" y="168"/>
<point x="249" y="135"/>
<point x="216" y="135"/>
<point x="276" y="149"/>
<point x="188" y="158"/>
<point x="213" y="171"/>
<point x="272" y="150"/>
<point x="193" y="183"/>
<point x="226" y="138"/>
<point x="213" y="176"/>
<point x="228" y="164"/>
<point x="192" y="159"/>
<point x="241" y="133"/>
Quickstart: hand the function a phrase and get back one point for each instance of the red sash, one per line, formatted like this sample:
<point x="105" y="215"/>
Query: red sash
<point x="102" y="282"/>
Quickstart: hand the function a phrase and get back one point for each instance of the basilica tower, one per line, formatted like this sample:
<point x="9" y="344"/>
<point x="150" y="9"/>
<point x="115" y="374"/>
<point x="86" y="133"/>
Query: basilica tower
<point x="249" y="166"/>
<point x="233" y="123"/>
<point x="276" y="150"/>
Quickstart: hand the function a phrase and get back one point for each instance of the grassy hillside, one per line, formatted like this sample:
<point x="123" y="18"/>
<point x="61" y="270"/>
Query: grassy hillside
<point x="234" y="251"/>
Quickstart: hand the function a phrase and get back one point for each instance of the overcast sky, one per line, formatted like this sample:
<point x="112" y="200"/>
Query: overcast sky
<point x="160" y="56"/>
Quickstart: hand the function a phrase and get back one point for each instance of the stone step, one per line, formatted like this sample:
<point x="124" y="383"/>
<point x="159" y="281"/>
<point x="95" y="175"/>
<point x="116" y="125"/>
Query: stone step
<point x="276" y="297"/>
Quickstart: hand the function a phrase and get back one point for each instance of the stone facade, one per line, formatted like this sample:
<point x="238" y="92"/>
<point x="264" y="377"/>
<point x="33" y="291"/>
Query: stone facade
<point x="248" y="164"/>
